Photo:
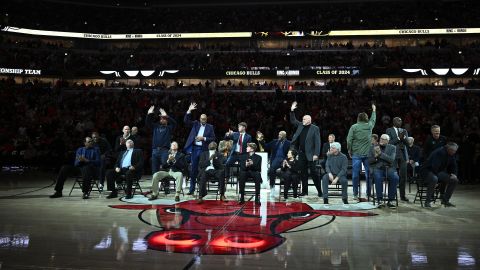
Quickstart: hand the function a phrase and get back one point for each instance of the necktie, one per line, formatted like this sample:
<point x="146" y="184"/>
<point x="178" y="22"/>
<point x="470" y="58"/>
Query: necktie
<point x="240" y="142"/>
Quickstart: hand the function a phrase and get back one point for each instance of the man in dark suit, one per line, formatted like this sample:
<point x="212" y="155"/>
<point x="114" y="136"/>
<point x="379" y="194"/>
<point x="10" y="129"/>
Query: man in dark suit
<point x="174" y="166"/>
<point x="121" y="139"/>
<point x="161" y="138"/>
<point x="433" y="141"/>
<point x="130" y="164"/>
<point x="87" y="162"/>
<point x="198" y="140"/>
<point x="211" y="165"/>
<point x="307" y="142"/>
<point x="413" y="155"/>
<point x="381" y="158"/>
<point x="326" y="151"/>
<point x="278" y="150"/>
<point x="250" y="167"/>
<point x="441" y="167"/>
<point x="398" y="137"/>
<point x="239" y="145"/>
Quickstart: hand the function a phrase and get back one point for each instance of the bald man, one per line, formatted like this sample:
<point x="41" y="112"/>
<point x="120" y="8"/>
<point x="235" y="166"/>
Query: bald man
<point x="306" y="140"/>
<point x="201" y="135"/>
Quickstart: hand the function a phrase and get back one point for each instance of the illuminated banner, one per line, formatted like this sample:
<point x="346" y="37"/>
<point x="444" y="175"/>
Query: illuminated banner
<point x="20" y="71"/>
<point x="386" y="32"/>
<point x="125" y="36"/>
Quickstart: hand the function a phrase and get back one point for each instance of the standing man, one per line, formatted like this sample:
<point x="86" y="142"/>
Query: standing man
<point x="162" y="137"/>
<point x="250" y="167"/>
<point x="441" y="167"/>
<point x="130" y="164"/>
<point x="121" y="139"/>
<point x="326" y="150"/>
<point x="278" y="149"/>
<point x="239" y="145"/>
<point x="307" y="142"/>
<point x="198" y="140"/>
<point x="398" y="137"/>
<point x="87" y="162"/>
<point x="433" y="141"/>
<point x="358" y="143"/>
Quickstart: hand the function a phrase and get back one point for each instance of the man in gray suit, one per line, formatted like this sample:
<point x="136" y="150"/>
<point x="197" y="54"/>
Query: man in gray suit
<point x="306" y="140"/>
<point x="381" y="159"/>
<point x="399" y="138"/>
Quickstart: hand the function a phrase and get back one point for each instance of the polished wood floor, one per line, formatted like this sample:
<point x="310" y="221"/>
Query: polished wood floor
<point x="37" y="232"/>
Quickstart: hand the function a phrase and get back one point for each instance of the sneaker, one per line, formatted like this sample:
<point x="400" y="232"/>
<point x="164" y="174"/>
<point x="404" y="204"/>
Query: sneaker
<point x="380" y="204"/>
<point x="355" y="197"/>
<point x="100" y="188"/>
<point x="153" y="197"/>
<point x="56" y="195"/>
<point x="391" y="205"/>
<point x="112" y="195"/>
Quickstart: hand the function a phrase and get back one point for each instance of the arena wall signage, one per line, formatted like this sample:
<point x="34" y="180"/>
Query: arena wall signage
<point x="20" y="71"/>
<point x="314" y="33"/>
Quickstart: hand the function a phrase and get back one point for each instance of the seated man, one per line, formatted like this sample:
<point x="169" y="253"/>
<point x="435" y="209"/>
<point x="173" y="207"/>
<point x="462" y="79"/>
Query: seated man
<point x="130" y="164"/>
<point x="336" y="168"/>
<point x="174" y="167"/>
<point x="381" y="157"/>
<point x="290" y="173"/>
<point x="250" y="167"/>
<point x="211" y="164"/>
<point x="441" y="167"/>
<point x="87" y="162"/>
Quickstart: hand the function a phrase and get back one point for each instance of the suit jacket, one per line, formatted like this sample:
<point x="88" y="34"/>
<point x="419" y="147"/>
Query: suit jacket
<point x="385" y="159"/>
<point x="431" y="144"/>
<point x="177" y="165"/>
<point x="235" y="136"/>
<point x="275" y="146"/>
<point x="255" y="167"/>
<point x="313" y="142"/>
<point x="401" y="145"/>
<point x="440" y="161"/>
<point x="414" y="153"/>
<point x="122" y="147"/>
<point x="218" y="161"/>
<point x="325" y="149"/>
<point x="209" y="133"/>
<point x="137" y="160"/>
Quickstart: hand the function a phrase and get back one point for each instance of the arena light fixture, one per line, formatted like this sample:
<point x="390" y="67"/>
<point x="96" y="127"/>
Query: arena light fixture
<point x="440" y="71"/>
<point x="131" y="73"/>
<point x="459" y="71"/>
<point x="147" y="73"/>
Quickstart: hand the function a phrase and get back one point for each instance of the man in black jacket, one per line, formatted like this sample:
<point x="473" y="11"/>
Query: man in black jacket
<point x="174" y="166"/>
<point x="211" y="165"/>
<point x="130" y="164"/>
<point x="441" y="167"/>
<point x="250" y="167"/>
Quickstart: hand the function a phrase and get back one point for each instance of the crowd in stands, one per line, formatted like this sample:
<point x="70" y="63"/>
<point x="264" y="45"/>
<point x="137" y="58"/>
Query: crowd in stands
<point x="43" y="125"/>
<point x="154" y="18"/>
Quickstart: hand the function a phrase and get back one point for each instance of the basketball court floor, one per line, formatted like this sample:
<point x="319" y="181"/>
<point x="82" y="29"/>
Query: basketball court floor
<point x="37" y="232"/>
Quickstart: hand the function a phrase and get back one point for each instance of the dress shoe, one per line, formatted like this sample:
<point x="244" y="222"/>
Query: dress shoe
<point x="177" y="198"/>
<point x="405" y="199"/>
<point x="325" y="201"/>
<point x="85" y="196"/>
<point x="223" y="198"/>
<point x="241" y="201"/>
<point x="56" y="195"/>
<point x="448" y="204"/>
<point x="427" y="205"/>
<point x="190" y="193"/>
<point x="391" y="205"/>
<point x="345" y="201"/>
<point x="199" y="200"/>
<point x="129" y="196"/>
<point x="303" y="194"/>
<point x="153" y="197"/>
<point x="112" y="195"/>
